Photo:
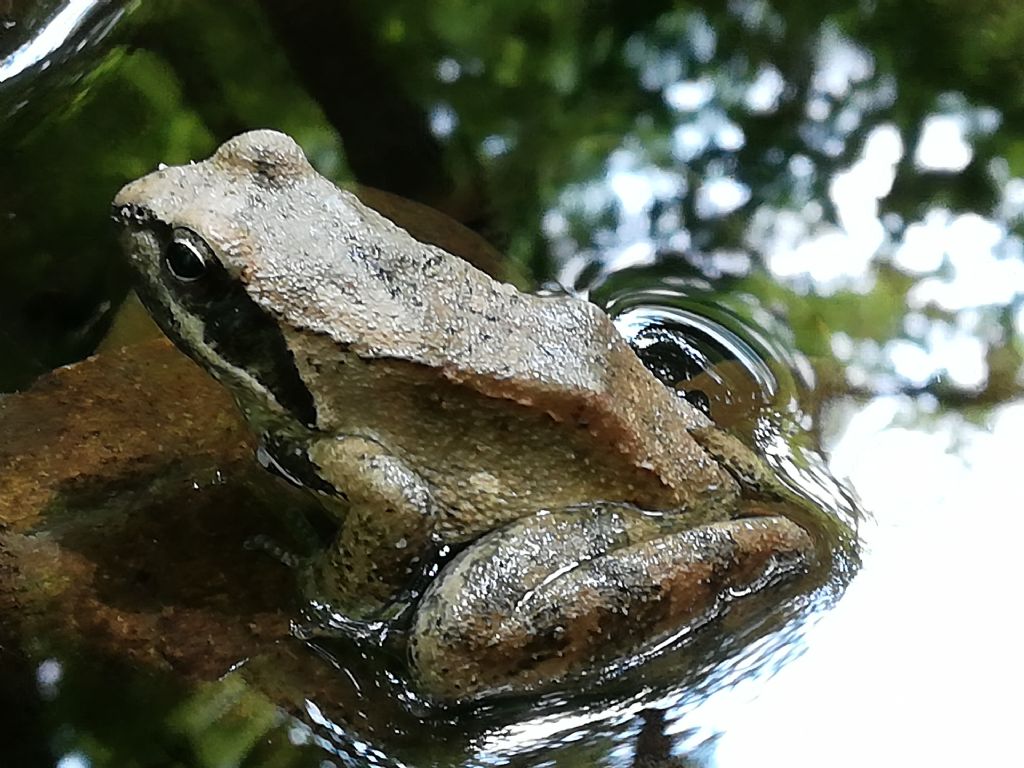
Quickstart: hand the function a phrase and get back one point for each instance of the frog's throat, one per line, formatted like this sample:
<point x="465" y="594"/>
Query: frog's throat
<point x="254" y="399"/>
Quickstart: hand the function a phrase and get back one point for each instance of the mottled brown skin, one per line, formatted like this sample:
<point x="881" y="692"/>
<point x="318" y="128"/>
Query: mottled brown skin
<point x="435" y="407"/>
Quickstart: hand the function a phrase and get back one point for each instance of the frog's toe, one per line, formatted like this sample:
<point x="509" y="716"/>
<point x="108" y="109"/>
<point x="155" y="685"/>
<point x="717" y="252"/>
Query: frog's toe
<point x="478" y="633"/>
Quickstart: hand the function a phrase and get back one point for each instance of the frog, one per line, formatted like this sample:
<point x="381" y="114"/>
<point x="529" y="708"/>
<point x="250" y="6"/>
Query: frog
<point x="512" y="489"/>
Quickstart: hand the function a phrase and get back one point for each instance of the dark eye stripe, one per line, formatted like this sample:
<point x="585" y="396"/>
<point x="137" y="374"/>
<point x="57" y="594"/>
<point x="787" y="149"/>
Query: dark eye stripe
<point x="248" y="337"/>
<point x="244" y="334"/>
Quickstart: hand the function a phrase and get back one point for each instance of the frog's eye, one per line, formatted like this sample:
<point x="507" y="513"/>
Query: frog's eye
<point x="186" y="256"/>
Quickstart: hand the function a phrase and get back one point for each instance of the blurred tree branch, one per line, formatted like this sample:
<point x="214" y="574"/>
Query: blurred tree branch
<point x="386" y="134"/>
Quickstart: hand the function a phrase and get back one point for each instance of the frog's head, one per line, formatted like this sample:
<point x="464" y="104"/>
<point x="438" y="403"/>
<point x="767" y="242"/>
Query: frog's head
<point x="197" y="242"/>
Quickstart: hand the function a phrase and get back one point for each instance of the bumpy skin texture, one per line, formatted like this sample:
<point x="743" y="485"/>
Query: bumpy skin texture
<point x="432" y="405"/>
<point x="499" y="622"/>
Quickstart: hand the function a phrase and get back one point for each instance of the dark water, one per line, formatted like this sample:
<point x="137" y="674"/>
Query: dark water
<point x="842" y="179"/>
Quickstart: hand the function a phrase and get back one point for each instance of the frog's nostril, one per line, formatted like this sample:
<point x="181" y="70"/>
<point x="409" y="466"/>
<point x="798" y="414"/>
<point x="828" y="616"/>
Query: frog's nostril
<point x="130" y="213"/>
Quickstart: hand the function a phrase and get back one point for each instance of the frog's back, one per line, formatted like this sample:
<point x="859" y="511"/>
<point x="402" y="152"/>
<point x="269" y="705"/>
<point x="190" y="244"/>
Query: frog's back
<point x="532" y="400"/>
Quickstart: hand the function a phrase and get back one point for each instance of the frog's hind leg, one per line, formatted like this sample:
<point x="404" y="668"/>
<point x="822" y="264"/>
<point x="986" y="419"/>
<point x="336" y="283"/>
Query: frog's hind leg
<point x="557" y="594"/>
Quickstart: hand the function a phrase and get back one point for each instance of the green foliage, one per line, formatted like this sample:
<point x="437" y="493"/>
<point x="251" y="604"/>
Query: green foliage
<point x="541" y="101"/>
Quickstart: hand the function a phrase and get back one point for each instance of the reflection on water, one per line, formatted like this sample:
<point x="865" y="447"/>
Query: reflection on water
<point x="48" y="40"/>
<point x="686" y="719"/>
<point x="721" y="363"/>
<point x="827" y="177"/>
<point x="928" y="682"/>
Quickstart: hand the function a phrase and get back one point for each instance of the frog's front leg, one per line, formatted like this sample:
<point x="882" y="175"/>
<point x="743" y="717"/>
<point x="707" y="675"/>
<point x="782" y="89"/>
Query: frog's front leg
<point x="385" y="535"/>
<point x="557" y="594"/>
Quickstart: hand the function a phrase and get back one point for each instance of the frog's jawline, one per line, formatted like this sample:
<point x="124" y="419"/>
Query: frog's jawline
<point x="250" y="340"/>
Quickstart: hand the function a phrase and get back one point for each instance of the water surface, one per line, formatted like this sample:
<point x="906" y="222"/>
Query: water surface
<point x="847" y="180"/>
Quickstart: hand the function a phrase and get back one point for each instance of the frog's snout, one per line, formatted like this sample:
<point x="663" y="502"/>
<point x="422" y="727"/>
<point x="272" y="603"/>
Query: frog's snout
<point x="127" y="214"/>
